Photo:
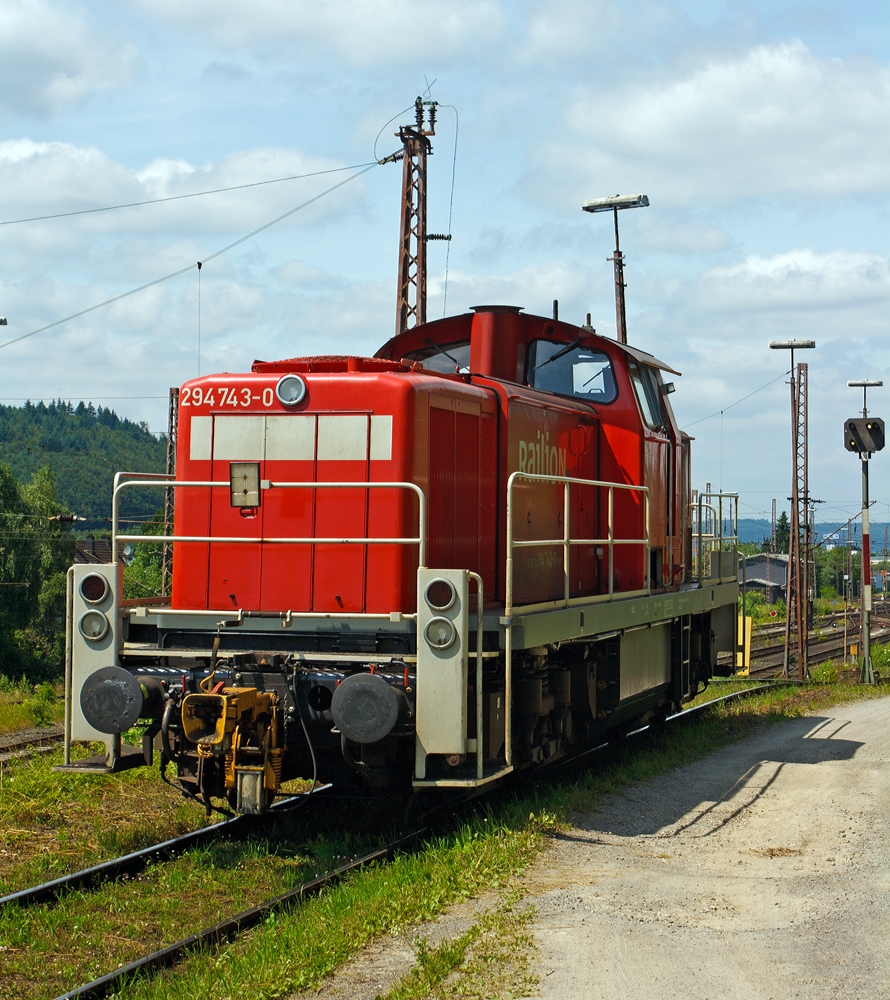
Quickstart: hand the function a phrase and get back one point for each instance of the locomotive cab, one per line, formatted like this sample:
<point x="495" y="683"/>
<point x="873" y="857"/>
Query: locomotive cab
<point x="475" y="552"/>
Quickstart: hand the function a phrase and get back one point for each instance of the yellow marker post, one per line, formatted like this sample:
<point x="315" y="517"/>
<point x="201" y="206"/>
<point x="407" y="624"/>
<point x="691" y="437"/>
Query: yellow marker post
<point x="743" y="649"/>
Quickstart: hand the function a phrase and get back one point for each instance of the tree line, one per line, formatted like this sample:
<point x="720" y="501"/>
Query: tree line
<point x="83" y="445"/>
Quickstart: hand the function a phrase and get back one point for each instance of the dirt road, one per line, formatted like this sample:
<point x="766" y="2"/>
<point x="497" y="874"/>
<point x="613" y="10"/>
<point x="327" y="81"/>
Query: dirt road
<point x="759" y="873"/>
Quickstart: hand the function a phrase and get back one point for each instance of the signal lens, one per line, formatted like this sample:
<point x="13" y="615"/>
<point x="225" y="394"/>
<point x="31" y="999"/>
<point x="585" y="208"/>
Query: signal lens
<point x="93" y="588"/>
<point x="440" y="594"/>
<point x="291" y="390"/>
<point x="93" y="626"/>
<point x="440" y="632"/>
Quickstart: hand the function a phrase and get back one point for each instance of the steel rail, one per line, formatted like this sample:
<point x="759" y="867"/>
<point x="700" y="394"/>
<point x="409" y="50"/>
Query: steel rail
<point x="226" y="929"/>
<point x="127" y="864"/>
<point x="16" y="741"/>
<point x="820" y="651"/>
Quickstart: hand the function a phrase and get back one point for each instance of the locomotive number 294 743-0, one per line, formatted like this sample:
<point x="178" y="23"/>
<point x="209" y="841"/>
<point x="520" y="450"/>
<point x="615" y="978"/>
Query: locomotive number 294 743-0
<point x="225" y="395"/>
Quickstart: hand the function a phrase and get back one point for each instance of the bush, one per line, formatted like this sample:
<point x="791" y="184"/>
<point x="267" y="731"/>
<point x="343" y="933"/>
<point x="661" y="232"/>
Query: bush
<point x="756" y="607"/>
<point x="880" y="658"/>
<point x="41" y="705"/>
<point x="36" y="552"/>
<point x="826" y="672"/>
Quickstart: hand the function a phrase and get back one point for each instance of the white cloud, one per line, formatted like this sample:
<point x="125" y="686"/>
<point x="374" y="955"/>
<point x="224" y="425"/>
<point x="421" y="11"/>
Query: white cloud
<point x="802" y="280"/>
<point x="777" y="120"/>
<point x="557" y="29"/>
<point x="533" y="287"/>
<point x="360" y="32"/>
<point x="43" y="178"/>
<point x="299" y="274"/>
<point x="50" y="58"/>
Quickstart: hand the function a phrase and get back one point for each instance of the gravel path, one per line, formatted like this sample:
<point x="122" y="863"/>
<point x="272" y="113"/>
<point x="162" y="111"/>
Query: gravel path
<point x="759" y="873"/>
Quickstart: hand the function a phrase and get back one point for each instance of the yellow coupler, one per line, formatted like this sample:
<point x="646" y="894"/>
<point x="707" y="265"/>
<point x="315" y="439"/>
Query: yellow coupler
<point x="241" y="724"/>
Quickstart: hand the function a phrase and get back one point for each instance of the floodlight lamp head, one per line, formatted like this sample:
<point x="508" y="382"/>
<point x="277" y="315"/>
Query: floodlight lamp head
<point x="791" y="345"/>
<point x="615" y="202"/>
<point x="865" y="383"/>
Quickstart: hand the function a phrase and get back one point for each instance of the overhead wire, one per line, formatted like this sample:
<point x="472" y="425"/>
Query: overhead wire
<point x="450" y="204"/>
<point x="382" y="127"/>
<point x="286" y="215"/>
<point x="719" y="413"/>
<point x="179" y="197"/>
<point x="184" y="270"/>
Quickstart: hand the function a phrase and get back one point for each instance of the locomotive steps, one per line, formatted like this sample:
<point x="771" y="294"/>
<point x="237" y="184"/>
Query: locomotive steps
<point x="87" y="935"/>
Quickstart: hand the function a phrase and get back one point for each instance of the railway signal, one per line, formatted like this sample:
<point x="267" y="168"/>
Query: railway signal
<point x="865" y="435"/>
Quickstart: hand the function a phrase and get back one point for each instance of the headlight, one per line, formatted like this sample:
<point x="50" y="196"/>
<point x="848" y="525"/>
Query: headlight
<point x="93" y="625"/>
<point x="94" y="588"/>
<point x="291" y="390"/>
<point x="440" y="594"/>
<point x="440" y="632"/>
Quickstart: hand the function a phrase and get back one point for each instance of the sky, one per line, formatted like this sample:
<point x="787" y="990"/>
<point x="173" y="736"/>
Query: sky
<point x="760" y="132"/>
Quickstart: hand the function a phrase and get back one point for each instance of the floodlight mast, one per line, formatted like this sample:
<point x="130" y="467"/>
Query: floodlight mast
<point x="797" y="580"/>
<point x="867" y="674"/>
<point x="614" y="204"/>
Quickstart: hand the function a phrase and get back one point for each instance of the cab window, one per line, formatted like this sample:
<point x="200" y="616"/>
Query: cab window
<point x="571" y="370"/>
<point x="647" y="388"/>
<point x="433" y="358"/>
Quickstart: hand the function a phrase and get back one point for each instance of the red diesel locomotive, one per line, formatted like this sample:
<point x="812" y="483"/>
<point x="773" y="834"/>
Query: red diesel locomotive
<point x="467" y="555"/>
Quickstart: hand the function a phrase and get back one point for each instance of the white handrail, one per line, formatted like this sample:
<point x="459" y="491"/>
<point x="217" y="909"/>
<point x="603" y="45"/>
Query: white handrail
<point x="714" y="540"/>
<point x="419" y="540"/>
<point x="566" y="542"/>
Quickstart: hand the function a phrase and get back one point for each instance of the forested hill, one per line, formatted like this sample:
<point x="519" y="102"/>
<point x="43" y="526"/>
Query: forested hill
<point x="84" y="447"/>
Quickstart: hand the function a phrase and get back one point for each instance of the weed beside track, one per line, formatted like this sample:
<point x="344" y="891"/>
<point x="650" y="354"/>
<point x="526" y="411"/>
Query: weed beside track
<point x="53" y="823"/>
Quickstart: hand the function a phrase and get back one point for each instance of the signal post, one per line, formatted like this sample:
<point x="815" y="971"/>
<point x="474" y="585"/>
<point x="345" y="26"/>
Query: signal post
<point x="865" y="435"/>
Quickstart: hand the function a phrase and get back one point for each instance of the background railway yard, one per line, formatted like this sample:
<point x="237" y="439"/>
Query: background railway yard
<point x="55" y="824"/>
<point x="827" y="640"/>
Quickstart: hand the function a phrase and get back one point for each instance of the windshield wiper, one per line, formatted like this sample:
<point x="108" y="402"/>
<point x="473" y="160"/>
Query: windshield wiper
<point x="592" y="377"/>
<point x="559" y="354"/>
<point x="442" y="350"/>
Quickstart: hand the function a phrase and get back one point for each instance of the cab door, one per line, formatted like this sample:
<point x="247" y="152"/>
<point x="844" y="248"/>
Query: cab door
<point x="657" y="468"/>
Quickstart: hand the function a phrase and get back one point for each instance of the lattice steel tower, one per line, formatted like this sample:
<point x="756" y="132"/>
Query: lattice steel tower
<point x="797" y="595"/>
<point x="416" y="147"/>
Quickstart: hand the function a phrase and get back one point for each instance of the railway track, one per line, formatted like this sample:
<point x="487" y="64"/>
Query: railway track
<point x="26" y="742"/>
<point x="136" y="861"/>
<point x="231" y="927"/>
<point x="768" y="657"/>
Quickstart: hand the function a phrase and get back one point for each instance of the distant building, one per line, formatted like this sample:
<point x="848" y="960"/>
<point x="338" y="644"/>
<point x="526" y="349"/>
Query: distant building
<point x="93" y="550"/>
<point x="766" y="573"/>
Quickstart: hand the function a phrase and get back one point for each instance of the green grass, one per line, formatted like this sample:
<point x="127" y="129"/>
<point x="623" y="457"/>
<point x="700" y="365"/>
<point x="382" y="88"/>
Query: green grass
<point x="491" y="959"/>
<point x="53" y="948"/>
<point x="295" y="951"/>
<point x="23" y="706"/>
<point x="53" y="823"/>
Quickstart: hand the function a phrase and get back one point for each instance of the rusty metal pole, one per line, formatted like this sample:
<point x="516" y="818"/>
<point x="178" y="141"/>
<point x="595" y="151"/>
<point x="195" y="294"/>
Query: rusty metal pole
<point x="797" y="634"/>
<point x="797" y="580"/>
<point x="170" y="469"/>
<point x="620" y="314"/>
<point x="793" y="533"/>
<point x="803" y="501"/>
<point x="416" y="147"/>
<point x="613" y="205"/>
